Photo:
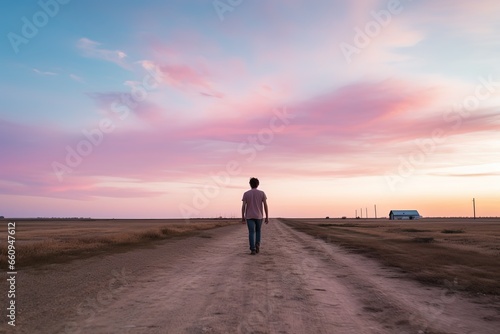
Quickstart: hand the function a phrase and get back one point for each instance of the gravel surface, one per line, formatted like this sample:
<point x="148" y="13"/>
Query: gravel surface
<point x="208" y="283"/>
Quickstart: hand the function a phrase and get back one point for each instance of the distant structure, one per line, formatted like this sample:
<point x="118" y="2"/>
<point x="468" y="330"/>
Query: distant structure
<point x="404" y="214"/>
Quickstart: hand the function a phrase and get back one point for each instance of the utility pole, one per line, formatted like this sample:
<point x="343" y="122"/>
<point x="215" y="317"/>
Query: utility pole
<point x="361" y="210"/>
<point x="366" y="210"/>
<point x="474" y="207"/>
<point x="375" y="211"/>
<point x="356" y="215"/>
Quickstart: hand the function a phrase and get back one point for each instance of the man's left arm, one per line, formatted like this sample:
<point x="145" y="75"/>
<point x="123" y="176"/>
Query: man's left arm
<point x="266" y="210"/>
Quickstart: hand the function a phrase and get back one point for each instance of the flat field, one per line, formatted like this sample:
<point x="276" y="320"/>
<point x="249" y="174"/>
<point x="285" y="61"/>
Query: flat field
<point x="438" y="251"/>
<point x="42" y="241"/>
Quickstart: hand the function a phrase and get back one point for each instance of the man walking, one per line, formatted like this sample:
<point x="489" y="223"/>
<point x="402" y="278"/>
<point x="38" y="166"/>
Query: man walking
<point x="253" y="200"/>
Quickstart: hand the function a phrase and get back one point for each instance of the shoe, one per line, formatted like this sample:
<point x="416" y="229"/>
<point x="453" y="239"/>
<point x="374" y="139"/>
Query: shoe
<point x="257" y="248"/>
<point x="253" y="253"/>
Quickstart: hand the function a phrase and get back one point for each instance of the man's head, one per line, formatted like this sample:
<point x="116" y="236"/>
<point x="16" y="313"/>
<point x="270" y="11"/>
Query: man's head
<point x="254" y="182"/>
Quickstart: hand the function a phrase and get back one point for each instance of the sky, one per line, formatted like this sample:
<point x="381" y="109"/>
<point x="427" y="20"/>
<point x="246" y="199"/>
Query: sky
<point x="165" y="109"/>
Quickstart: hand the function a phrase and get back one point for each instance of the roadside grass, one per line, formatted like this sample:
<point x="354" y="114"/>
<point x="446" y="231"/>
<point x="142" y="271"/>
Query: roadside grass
<point x="430" y="258"/>
<point x="452" y="231"/>
<point x="412" y="230"/>
<point x="61" y="245"/>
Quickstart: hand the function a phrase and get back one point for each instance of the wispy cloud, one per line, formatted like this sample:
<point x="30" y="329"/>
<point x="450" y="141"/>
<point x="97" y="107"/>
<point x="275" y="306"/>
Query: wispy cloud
<point x="76" y="78"/>
<point x="130" y="110"/>
<point x="463" y="17"/>
<point x="93" y="49"/>
<point x="473" y="170"/>
<point x="37" y="71"/>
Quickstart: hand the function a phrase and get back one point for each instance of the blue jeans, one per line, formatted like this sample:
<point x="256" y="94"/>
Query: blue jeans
<point x="254" y="227"/>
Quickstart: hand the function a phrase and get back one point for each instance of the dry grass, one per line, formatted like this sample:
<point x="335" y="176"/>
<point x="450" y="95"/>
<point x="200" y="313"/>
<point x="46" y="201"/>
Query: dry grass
<point x="49" y="241"/>
<point x="433" y="251"/>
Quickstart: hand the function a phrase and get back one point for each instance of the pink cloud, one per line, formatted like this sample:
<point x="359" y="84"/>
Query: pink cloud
<point x="361" y="120"/>
<point x="87" y="188"/>
<point x="183" y="77"/>
<point x="338" y="132"/>
<point x="353" y="119"/>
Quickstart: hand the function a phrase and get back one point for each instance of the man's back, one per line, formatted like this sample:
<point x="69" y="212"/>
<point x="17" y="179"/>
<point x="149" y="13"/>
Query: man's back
<point x="254" y="200"/>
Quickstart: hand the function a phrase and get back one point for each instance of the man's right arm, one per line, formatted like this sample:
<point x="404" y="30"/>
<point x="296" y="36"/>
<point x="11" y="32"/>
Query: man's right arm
<point x="243" y="207"/>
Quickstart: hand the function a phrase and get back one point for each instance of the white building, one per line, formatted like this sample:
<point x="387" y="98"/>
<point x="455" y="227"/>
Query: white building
<point x="404" y="214"/>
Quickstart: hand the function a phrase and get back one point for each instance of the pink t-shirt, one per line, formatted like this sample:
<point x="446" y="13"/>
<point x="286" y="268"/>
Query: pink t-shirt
<point x="254" y="199"/>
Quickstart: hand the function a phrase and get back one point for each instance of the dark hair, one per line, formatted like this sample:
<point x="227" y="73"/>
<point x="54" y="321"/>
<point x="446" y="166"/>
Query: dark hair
<point x="254" y="182"/>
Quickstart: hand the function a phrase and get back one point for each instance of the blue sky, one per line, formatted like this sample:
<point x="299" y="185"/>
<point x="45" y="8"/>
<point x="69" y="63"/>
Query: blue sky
<point x="271" y="79"/>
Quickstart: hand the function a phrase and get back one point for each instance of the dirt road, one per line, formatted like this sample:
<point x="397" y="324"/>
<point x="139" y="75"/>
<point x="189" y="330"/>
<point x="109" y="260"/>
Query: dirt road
<point x="209" y="284"/>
